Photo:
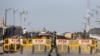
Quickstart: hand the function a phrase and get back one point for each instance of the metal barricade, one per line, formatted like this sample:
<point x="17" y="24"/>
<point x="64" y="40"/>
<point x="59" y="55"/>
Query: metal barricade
<point x="6" y="45"/>
<point x="74" y="46"/>
<point x="88" y="46"/>
<point x="93" y="46"/>
<point x="39" y="45"/>
<point x="62" y="45"/>
<point x="14" y="44"/>
<point x="25" y="43"/>
<point x="85" y="45"/>
<point x="11" y="44"/>
<point x="44" y="45"/>
<point x="48" y="45"/>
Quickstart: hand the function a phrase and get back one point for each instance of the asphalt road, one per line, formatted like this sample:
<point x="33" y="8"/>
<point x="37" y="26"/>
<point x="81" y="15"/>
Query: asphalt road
<point x="46" y="54"/>
<point x="29" y="53"/>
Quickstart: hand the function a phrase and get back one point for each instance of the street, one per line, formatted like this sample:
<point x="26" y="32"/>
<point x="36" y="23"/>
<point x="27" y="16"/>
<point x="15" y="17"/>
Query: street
<point x="46" y="54"/>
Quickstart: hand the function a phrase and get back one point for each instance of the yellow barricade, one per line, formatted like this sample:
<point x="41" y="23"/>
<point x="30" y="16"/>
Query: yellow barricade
<point x="11" y="44"/>
<point x="36" y="45"/>
<point x="78" y="45"/>
<point x="63" y="45"/>
<point x="14" y="44"/>
<point x="73" y="45"/>
<point x="93" y="46"/>
<point x="85" y="45"/>
<point x="39" y="44"/>
<point x="88" y="45"/>
<point x="44" y="45"/>
<point x="6" y="45"/>
<point x="48" y="45"/>
<point x="26" y="43"/>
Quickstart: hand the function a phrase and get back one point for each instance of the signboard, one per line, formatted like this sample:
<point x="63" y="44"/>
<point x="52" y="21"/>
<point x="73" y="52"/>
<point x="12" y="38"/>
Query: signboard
<point x="85" y="41"/>
<point x="14" y="41"/>
<point x="39" y="41"/>
<point x="62" y="41"/>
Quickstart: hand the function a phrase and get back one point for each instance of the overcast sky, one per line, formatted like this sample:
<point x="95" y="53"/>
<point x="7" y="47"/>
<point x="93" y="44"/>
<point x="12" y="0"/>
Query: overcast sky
<point x="59" y="15"/>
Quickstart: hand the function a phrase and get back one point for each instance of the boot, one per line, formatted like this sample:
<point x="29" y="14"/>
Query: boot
<point x="58" y="55"/>
<point x="49" y="55"/>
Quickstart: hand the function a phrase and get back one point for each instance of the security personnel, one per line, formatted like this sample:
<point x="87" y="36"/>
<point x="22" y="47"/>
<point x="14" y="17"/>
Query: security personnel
<point x="53" y="44"/>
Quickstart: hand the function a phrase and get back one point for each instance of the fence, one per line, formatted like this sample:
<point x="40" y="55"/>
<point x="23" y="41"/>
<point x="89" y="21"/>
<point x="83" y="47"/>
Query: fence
<point x="44" y="45"/>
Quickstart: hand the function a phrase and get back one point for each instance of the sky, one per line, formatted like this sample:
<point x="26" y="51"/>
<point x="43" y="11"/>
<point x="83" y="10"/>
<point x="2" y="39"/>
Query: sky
<point x="58" y="15"/>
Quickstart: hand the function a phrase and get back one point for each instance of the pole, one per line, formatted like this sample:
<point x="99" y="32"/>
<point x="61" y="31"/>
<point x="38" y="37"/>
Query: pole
<point x="24" y="22"/>
<point x="14" y="11"/>
<point x="25" y="12"/>
<point x="14" y="17"/>
<point x="5" y="17"/>
<point x="20" y="22"/>
<point x="88" y="15"/>
<point x="20" y="18"/>
<point x="6" y="10"/>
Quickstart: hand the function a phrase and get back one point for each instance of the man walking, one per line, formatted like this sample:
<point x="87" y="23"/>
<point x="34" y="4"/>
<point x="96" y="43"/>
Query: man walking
<point x="53" y="44"/>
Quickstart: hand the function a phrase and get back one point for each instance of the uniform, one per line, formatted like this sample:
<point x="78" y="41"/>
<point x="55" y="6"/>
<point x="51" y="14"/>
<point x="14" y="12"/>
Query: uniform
<point x="53" y="44"/>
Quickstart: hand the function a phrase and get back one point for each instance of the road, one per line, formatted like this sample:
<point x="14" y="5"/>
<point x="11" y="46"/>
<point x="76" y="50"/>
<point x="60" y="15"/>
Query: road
<point x="46" y="54"/>
<point x="29" y="53"/>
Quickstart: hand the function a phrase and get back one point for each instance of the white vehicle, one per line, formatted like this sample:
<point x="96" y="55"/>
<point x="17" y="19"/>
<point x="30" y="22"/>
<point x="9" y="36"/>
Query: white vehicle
<point x="95" y="36"/>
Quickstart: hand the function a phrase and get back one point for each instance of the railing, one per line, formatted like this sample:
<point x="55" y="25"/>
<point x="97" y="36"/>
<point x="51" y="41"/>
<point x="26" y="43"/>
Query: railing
<point x="44" y="45"/>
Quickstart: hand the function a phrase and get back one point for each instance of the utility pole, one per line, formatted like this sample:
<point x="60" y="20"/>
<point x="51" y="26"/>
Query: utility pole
<point x="25" y="12"/>
<point x="88" y="16"/>
<point x="84" y="29"/>
<point x="22" y="13"/>
<point x="14" y="11"/>
<point x="6" y="10"/>
<point x="20" y="18"/>
<point x="84" y="26"/>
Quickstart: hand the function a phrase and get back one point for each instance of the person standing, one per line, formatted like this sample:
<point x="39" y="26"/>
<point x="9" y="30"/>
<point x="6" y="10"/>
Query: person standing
<point x="53" y="44"/>
<point x="24" y="32"/>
